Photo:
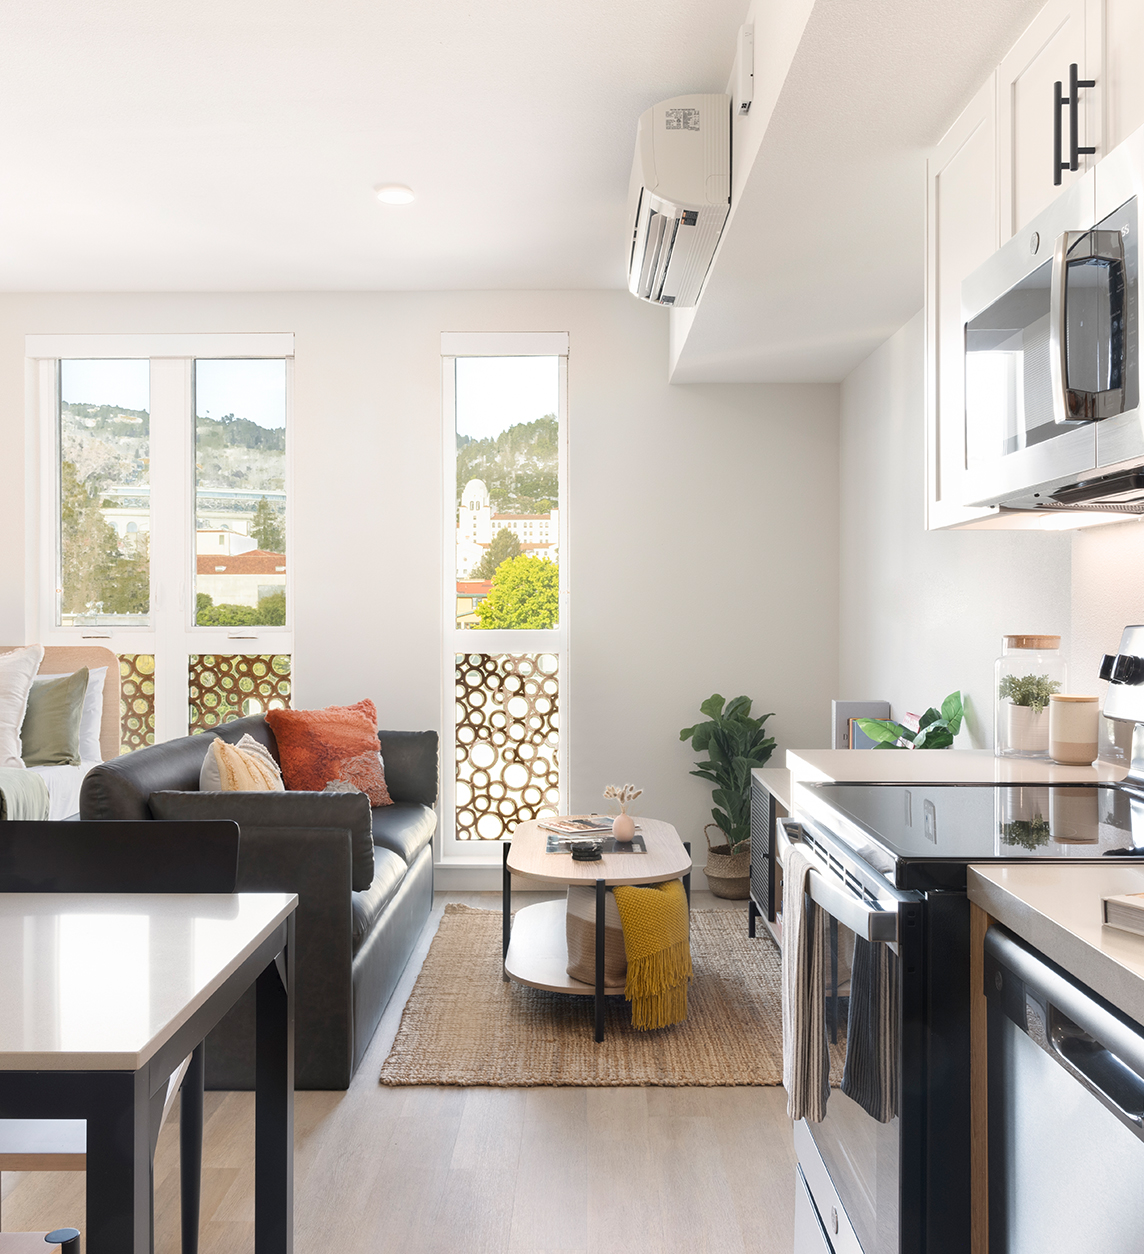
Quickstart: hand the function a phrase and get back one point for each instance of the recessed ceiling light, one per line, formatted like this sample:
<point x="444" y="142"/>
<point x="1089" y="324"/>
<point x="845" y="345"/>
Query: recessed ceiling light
<point x="394" y="194"/>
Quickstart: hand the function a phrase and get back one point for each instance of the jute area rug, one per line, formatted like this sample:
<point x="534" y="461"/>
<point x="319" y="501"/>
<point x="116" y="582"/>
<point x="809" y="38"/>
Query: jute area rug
<point x="464" y="1025"/>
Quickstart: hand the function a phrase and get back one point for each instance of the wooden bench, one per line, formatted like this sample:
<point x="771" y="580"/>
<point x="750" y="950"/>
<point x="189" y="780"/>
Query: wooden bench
<point x="25" y="1243"/>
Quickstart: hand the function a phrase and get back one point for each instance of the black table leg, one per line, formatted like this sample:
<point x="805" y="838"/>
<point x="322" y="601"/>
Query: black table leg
<point x="274" y="1105"/>
<point x="687" y="877"/>
<point x="120" y="1172"/>
<point x="752" y="915"/>
<point x="506" y="905"/>
<point x="191" y="1150"/>
<point x="601" y="898"/>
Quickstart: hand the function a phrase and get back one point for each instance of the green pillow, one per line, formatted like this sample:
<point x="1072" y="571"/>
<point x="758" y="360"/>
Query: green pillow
<point x="50" y="734"/>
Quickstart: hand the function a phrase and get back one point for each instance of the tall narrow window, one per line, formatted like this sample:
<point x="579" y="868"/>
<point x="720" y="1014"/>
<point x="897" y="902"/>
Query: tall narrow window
<point x="506" y="663"/>
<point x="104" y="440"/>
<point x="508" y="491"/>
<point x="240" y="493"/>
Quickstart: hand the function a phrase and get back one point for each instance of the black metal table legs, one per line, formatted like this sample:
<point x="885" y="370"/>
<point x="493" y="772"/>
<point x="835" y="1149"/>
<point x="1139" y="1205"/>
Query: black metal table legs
<point x="191" y="1149"/>
<point x="506" y="905"/>
<point x="601" y="900"/>
<point x="274" y="1105"/>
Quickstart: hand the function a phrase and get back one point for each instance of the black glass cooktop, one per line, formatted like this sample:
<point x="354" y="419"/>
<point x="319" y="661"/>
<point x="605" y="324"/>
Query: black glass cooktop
<point x="924" y="835"/>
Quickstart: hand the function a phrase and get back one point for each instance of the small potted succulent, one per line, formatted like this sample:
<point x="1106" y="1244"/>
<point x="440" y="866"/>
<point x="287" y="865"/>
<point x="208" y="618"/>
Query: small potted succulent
<point x="735" y="744"/>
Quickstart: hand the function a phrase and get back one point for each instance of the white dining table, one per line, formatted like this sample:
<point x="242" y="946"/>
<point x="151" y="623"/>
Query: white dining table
<point x="103" y="995"/>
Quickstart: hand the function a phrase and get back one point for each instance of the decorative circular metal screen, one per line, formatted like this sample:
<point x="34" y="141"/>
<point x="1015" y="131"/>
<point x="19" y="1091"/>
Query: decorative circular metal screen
<point x="506" y="741"/>
<point x="225" y="687"/>
<point x="136" y="701"/>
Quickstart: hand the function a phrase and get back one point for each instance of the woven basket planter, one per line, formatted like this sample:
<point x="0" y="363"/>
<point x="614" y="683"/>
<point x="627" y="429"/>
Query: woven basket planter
<point x="728" y="874"/>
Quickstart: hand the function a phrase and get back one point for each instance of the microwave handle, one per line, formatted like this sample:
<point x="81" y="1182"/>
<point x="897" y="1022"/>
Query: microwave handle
<point x="1070" y="405"/>
<point x="849" y="910"/>
<point x="1058" y="339"/>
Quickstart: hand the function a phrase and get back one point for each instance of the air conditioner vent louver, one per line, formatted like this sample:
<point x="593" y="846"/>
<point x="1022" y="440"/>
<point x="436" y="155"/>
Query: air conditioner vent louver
<point x="679" y="198"/>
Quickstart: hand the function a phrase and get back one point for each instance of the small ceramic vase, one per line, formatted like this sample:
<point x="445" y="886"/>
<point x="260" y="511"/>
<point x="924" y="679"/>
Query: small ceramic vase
<point x="623" y="827"/>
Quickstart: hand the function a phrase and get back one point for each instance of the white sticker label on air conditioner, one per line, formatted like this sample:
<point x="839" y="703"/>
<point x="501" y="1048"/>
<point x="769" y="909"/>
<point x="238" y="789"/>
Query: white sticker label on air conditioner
<point x="681" y="119"/>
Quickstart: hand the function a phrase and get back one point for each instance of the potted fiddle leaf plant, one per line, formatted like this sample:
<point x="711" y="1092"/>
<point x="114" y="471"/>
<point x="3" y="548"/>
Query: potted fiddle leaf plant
<point x="735" y="744"/>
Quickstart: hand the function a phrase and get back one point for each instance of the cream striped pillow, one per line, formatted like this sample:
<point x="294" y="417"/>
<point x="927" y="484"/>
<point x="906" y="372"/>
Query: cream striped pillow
<point x="245" y="767"/>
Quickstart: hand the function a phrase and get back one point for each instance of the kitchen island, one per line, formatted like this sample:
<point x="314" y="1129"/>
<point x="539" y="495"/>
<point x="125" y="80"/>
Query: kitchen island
<point x="1057" y="910"/>
<point x="1058" y="1059"/>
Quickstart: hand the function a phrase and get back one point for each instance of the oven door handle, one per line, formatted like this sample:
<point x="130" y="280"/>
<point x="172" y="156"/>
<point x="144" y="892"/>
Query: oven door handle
<point x="851" y="911"/>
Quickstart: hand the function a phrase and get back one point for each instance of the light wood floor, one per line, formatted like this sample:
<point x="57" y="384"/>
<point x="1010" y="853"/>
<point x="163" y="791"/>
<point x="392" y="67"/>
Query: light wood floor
<point x="469" y="1171"/>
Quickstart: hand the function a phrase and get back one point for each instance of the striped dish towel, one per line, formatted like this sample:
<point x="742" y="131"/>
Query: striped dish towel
<point x="806" y="1064"/>
<point x="870" y="1076"/>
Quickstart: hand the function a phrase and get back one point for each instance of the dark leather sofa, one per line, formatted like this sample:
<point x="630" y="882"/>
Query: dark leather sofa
<point x="364" y="880"/>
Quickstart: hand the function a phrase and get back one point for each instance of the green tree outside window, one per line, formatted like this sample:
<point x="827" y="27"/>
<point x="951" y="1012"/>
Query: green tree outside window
<point x="524" y="596"/>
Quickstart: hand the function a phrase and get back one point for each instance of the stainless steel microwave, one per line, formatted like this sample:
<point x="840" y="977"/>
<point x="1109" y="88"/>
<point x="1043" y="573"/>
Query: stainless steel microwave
<point x="1052" y="353"/>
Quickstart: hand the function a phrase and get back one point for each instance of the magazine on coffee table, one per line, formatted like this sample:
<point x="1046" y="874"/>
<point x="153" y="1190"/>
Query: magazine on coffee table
<point x="577" y="826"/>
<point x="608" y="844"/>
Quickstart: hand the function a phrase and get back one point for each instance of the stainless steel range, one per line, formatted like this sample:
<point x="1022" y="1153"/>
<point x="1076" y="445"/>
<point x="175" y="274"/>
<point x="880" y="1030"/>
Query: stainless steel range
<point x="893" y="1176"/>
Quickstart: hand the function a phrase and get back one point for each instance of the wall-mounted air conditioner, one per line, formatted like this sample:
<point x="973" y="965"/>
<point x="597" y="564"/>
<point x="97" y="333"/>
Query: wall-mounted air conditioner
<point x="679" y="198"/>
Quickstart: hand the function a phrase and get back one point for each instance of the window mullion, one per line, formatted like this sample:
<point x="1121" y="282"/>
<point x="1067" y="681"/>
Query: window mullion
<point x="171" y="539"/>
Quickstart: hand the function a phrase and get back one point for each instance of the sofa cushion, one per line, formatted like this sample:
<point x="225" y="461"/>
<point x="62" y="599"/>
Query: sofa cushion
<point x="404" y="827"/>
<point x="388" y="872"/>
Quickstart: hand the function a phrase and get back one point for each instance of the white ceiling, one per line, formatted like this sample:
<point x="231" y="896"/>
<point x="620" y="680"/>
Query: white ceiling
<point x="234" y="144"/>
<point x="824" y="256"/>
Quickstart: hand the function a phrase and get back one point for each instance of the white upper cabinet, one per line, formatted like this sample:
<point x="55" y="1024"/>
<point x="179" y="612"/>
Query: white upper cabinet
<point x="962" y="232"/>
<point x="1065" y="32"/>
<point x="1123" y="87"/>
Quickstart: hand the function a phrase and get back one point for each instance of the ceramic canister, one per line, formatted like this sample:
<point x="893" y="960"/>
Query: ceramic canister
<point x="1073" y="727"/>
<point x="1073" y="816"/>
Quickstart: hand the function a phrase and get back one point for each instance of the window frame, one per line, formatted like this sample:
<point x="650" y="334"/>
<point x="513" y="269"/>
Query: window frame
<point x="451" y="852"/>
<point x="171" y="635"/>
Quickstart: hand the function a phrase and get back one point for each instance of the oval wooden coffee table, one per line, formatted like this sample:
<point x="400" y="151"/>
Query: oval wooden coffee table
<point x="534" y="945"/>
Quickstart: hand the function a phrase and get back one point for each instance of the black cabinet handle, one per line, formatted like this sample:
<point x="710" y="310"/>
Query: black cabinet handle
<point x="1058" y="101"/>
<point x="1075" y="84"/>
<point x="1073" y="101"/>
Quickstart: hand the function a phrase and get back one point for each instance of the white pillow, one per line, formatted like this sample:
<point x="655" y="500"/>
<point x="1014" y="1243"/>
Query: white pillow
<point x="92" y="716"/>
<point x="17" y="671"/>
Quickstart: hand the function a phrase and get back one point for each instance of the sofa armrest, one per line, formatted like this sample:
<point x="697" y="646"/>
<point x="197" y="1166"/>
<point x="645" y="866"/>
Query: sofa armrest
<point x="314" y="862"/>
<point x="281" y="811"/>
<point x="410" y="765"/>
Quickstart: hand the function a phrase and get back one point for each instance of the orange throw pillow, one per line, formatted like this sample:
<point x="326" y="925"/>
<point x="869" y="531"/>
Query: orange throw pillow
<point x="334" y="749"/>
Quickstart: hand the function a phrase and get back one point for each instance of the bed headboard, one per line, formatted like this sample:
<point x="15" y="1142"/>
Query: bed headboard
<point x="63" y="659"/>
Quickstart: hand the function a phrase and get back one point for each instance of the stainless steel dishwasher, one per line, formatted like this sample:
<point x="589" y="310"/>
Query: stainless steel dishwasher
<point x="1066" y="1110"/>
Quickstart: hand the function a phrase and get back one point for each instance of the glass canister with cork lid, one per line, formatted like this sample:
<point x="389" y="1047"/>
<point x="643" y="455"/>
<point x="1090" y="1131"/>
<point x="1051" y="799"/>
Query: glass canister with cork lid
<point x="1028" y="672"/>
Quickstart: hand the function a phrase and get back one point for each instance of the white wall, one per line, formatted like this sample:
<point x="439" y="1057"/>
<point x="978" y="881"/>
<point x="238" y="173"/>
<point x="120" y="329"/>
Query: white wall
<point x="923" y="613"/>
<point x="704" y="519"/>
<point x="1107" y="595"/>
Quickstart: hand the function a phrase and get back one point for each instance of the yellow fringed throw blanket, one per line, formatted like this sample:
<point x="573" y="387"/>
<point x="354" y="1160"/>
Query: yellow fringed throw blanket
<point x="656" y="937"/>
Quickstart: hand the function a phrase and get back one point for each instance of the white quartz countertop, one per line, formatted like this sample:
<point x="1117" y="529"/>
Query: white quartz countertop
<point x="776" y="780"/>
<point x="938" y="766"/>
<point x="99" y="981"/>
<point x="1057" y="909"/>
